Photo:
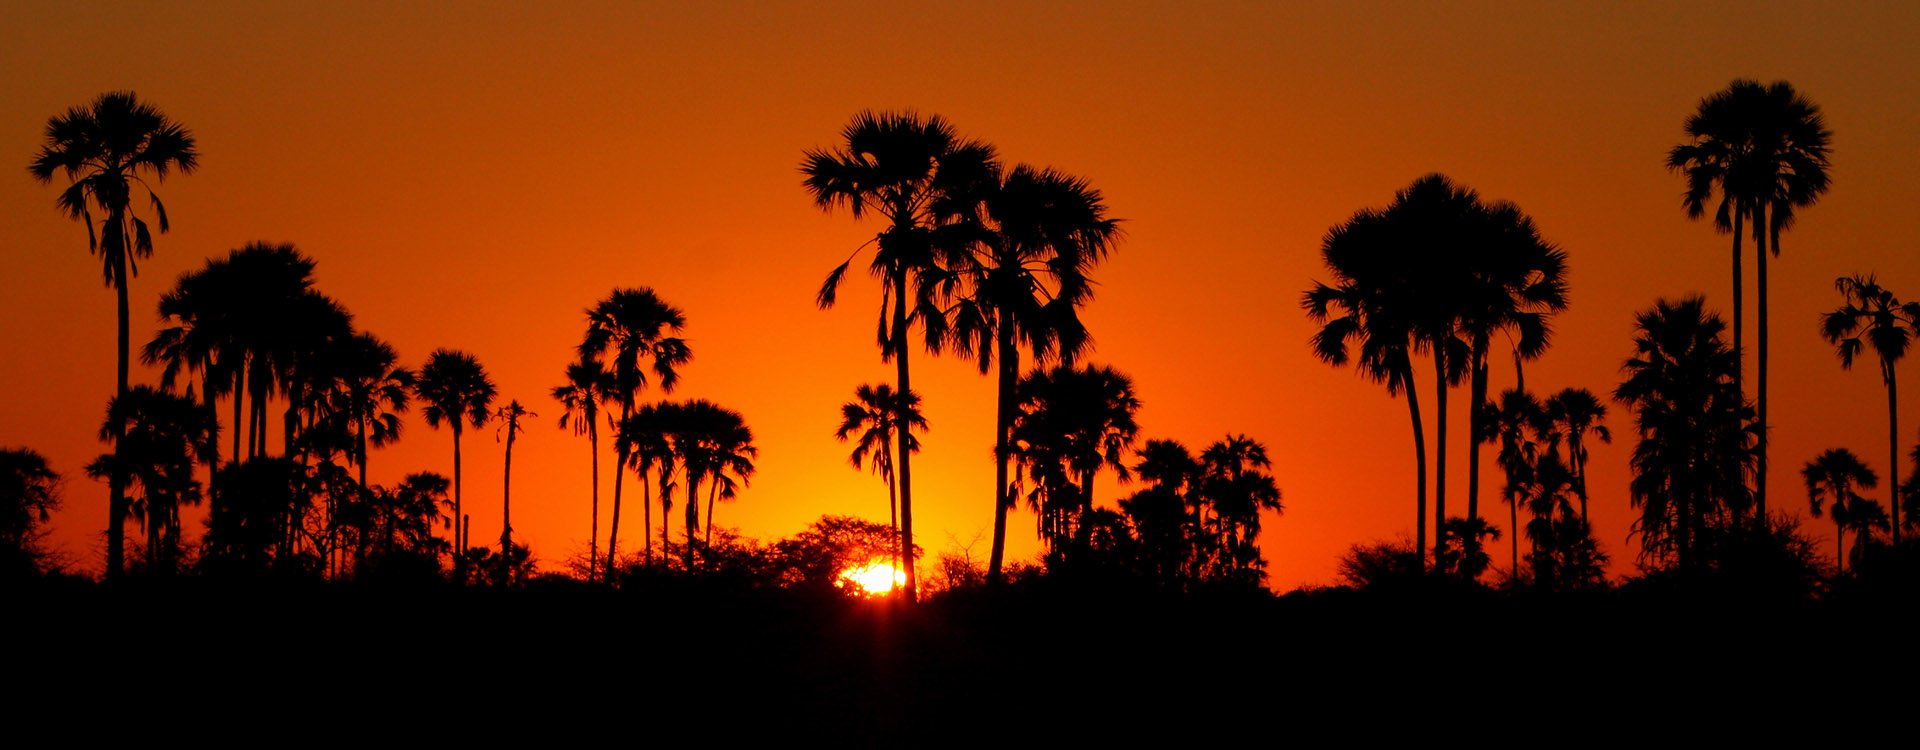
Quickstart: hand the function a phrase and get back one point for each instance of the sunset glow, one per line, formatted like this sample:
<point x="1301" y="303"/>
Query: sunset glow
<point x="874" y="578"/>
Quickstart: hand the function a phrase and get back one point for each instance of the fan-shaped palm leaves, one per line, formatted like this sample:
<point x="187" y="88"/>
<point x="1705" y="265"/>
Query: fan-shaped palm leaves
<point x="1831" y="478"/>
<point x="908" y="170"/>
<point x="107" y="149"/>
<point x="157" y="438"/>
<point x="453" y="388"/>
<point x="874" y="416"/>
<point x="1870" y="316"/>
<point x="1071" y="423"/>
<point x="714" y="444"/>
<point x="1234" y="480"/>
<point x="588" y="383"/>
<point x="1575" y="413"/>
<point x="634" y="324"/>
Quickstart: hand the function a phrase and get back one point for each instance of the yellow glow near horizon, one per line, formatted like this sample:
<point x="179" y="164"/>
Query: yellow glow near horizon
<point x="874" y="579"/>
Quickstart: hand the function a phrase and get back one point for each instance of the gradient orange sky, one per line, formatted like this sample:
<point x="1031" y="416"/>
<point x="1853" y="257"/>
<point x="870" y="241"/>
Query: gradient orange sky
<point x="474" y="175"/>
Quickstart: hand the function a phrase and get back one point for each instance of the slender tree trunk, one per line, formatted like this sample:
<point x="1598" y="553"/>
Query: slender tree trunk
<point x="1739" y="316"/>
<point x="213" y="430"/>
<point x="1439" y="441"/>
<point x="1893" y="449"/>
<point x="1003" y="447"/>
<point x="459" y="518"/>
<point x="666" y="510"/>
<point x="1839" y="543"/>
<point x="693" y="519"/>
<point x="1760" y="460"/>
<point x="646" y="520"/>
<point x="506" y="504"/>
<point x="713" y="491"/>
<point x="1513" y="533"/>
<point x="593" y="535"/>
<point x="900" y="417"/>
<point x="1579" y="454"/>
<point x="239" y="399"/>
<point x="620" y="451"/>
<point x="1420" y="466"/>
<point x="893" y="498"/>
<point x="1475" y="429"/>
<point x="117" y="478"/>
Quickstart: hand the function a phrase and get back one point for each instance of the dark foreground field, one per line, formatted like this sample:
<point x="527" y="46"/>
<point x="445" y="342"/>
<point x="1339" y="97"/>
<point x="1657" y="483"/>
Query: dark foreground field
<point x="1034" y="664"/>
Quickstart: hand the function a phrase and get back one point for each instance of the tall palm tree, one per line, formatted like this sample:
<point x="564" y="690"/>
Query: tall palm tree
<point x="200" y="340"/>
<point x="1697" y="435"/>
<point x="1038" y="233"/>
<point x="1072" y="422"/>
<point x="1832" y="476"/>
<point x="157" y="437"/>
<point x="872" y="416"/>
<point x="648" y="435"/>
<point x="1869" y="315"/>
<point x="1520" y="424"/>
<point x="715" y="444"/>
<point x="1517" y="282"/>
<point x="105" y="148"/>
<point x="1765" y="147"/>
<point x="633" y="324"/>
<point x="588" y="383"/>
<point x="374" y="392"/>
<point x="1575" y="413"/>
<point x="456" y="390"/>
<point x="510" y="416"/>
<point x="907" y="170"/>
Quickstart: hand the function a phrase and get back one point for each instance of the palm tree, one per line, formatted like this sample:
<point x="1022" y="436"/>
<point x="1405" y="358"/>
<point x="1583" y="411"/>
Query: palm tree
<point x="374" y="391"/>
<point x="1574" y="413"/>
<point x="104" y="149"/>
<point x="872" y="415"/>
<point x="199" y="341"/>
<point x="1072" y="421"/>
<point x="510" y="415"/>
<point x="29" y="494"/>
<point x="1832" y="476"/>
<point x="632" y="324"/>
<point x="455" y="389"/>
<point x="1234" y="480"/>
<point x="1870" y="315"/>
<point x="715" y="444"/>
<point x="1517" y="283"/>
<point x="1520" y="424"/>
<point x="1169" y="517"/>
<point x="1697" y="436"/>
<point x="588" y="382"/>
<point x="1037" y="234"/>
<point x="157" y="438"/>
<point x="908" y="170"/>
<point x="1765" y="148"/>
<point x="648" y="437"/>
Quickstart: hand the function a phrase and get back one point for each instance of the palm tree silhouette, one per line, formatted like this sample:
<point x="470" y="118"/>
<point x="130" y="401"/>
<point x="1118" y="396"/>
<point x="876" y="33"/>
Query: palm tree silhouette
<point x="1831" y="477"/>
<point x="1037" y="234"/>
<point x="157" y="437"/>
<point x="907" y="170"/>
<point x="1697" y="437"/>
<point x="1870" y="315"/>
<point x="632" y="324"/>
<point x="1574" y="413"/>
<point x="1236" y="482"/>
<point x="714" y="444"/>
<point x="104" y="149"/>
<point x="29" y="494"/>
<point x="648" y="436"/>
<point x="1168" y="515"/>
<point x="510" y="415"/>
<point x="454" y="389"/>
<point x="872" y="416"/>
<point x="1520" y="424"/>
<point x="374" y="392"/>
<point x="1071" y="422"/>
<point x="1765" y="148"/>
<point x="588" y="383"/>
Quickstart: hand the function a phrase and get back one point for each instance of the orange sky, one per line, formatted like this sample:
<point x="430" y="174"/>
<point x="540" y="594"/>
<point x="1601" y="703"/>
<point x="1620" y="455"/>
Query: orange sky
<point x="474" y="177"/>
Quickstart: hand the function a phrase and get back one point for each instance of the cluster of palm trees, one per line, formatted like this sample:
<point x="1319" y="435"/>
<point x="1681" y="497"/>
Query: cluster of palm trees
<point x="631" y="333"/>
<point x="1198" y="519"/>
<point x="1543" y="453"/>
<point x="1437" y="272"/>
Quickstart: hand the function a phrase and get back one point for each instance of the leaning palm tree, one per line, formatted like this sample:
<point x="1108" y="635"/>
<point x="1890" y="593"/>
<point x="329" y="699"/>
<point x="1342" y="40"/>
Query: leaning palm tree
<point x="872" y="415"/>
<point x="907" y="170"/>
<point x="105" y="149"/>
<point x="1575" y="413"/>
<point x="509" y="416"/>
<point x="1764" y="148"/>
<point x="1697" y="435"/>
<point x="1870" y="315"/>
<point x="1036" y="235"/>
<point x="587" y="384"/>
<point x="1831" y="478"/>
<point x="455" y="390"/>
<point x="632" y="325"/>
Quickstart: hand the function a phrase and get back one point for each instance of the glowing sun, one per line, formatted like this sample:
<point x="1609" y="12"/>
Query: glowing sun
<point x="874" y="578"/>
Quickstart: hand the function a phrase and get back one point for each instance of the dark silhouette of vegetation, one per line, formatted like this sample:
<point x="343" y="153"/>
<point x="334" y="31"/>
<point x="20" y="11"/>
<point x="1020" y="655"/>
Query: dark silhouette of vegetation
<point x="871" y="414"/>
<point x="906" y="170"/>
<point x="105" y="149"/>
<point x="631" y="324"/>
<point x="29" y="494"/>
<point x="509" y="416"/>
<point x="455" y="389"/>
<point x="156" y="439"/>
<point x="1072" y="421"/>
<point x="1764" y="148"/>
<point x="1831" y="479"/>
<point x="588" y="384"/>
<point x="1871" y="316"/>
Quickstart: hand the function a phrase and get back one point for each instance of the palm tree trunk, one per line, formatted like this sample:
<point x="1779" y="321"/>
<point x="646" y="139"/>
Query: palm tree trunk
<point x="1513" y="534"/>
<point x="1420" y="465"/>
<point x="620" y="451"/>
<point x="666" y="510"/>
<point x="713" y="491"/>
<point x="1478" y="392"/>
<point x="1893" y="449"/>
<point x="593" y="534"/>
<point x="1839" y="544"/>
<point x="693" y="518"/>
<point x="459" y="519"/>
<point x="239" y="398"/>
<point x="900" y="418"/>
<point x="1003" y="447"/>
<point x="213" y="427"/>
<point x="893" y="498"/>
<point x="117" y="477"/>
<point x="646" y="530"/>
<point x="1439" y="440"/>
<point x="506" y="505"/>
<point x="1760" y="459"/>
